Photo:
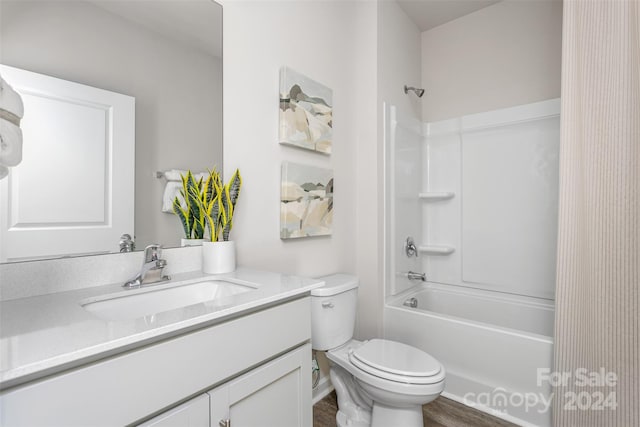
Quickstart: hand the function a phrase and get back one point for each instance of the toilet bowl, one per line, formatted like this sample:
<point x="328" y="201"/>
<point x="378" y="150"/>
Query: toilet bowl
<point x="394" y="379"/>
<point x="378" y="382"/>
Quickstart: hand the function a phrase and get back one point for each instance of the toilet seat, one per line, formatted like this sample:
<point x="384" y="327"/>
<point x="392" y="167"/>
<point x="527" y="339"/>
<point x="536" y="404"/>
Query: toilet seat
<point x="406" y="386"/>
<point x="396" y="362"/>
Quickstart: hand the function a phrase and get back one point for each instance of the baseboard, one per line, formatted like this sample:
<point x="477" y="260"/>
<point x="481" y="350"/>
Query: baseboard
<point x="322" y="390"/>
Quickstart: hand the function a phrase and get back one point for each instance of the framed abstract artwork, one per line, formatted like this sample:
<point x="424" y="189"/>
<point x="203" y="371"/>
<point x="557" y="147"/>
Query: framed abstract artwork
<point x="306" y="112"/>
<point x="306" y="201"/>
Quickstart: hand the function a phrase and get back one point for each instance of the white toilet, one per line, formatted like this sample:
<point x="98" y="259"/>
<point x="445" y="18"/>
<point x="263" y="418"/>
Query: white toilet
<point x="379" y="383"/>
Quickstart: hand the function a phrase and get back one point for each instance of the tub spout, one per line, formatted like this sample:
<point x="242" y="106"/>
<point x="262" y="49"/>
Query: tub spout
<point x="412" y="275"/>
<point x="411" y="302"/>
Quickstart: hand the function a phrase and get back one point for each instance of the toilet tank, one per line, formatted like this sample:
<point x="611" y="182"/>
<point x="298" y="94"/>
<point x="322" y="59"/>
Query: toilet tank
<point x="333" y="311"/>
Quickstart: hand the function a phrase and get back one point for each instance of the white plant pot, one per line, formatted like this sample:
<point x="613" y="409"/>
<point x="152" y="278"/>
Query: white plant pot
<point x="191" y="242"/>
<point x="218" y="257"/>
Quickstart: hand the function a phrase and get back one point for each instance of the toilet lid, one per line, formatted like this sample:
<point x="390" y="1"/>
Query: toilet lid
<point x="395" y="361"/>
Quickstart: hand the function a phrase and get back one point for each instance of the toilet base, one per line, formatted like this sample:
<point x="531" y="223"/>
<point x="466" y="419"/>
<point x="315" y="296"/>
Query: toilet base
<point x="342" y="420"/>
<point x="354" y="410"/>
<point x="385" y="416"/>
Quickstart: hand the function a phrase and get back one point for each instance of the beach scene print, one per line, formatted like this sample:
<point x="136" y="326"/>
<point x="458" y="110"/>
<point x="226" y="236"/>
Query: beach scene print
<point x="306" y="113"/>
<point x="306" y="201"/>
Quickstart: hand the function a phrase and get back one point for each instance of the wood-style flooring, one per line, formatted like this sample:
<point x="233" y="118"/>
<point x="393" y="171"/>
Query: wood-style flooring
<point x="442" y="412"/>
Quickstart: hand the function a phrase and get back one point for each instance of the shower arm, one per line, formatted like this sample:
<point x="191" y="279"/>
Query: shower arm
<point x="416" y="90"/>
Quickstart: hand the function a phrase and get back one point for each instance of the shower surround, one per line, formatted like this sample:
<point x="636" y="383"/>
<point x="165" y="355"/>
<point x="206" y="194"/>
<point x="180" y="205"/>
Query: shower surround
<point x="479" y="195"/>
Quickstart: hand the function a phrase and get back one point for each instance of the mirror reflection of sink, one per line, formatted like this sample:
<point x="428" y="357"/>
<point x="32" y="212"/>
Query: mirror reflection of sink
<point x="125" y="305"/>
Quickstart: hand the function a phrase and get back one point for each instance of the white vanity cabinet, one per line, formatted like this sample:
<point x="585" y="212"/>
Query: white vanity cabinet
<point x="272" y="395"/>
<point x="254" y="369"/>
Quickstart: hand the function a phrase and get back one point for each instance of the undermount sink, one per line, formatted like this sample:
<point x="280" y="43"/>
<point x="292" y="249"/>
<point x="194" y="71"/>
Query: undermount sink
<point x="139" y="303"/>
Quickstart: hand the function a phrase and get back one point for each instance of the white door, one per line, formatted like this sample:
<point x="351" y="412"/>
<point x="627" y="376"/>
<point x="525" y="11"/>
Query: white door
<point x="73" y="192"/>
<point x="277" y="394"/>
<point x="194" y="413"/>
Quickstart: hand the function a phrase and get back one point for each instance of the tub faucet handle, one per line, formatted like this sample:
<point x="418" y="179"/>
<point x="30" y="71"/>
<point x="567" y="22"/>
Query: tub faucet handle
<point x="410" y="248"/>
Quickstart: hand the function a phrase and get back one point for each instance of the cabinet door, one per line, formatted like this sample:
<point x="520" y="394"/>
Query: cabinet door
<point x="277" y="394"/>
<point x="194" y="413"/>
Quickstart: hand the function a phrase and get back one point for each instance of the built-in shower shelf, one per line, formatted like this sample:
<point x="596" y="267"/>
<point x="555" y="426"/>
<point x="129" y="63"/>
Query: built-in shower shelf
<point x="435" y="196"/>
<point x="436" y="250"/>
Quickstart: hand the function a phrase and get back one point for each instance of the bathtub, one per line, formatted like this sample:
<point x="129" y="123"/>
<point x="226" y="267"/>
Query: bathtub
<point x="491" y="344"/>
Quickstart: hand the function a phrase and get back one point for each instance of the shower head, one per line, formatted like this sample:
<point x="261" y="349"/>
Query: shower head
<point x="419" y="92"/>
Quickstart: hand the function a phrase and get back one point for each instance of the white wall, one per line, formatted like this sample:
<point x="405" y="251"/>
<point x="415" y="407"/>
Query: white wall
<point x="316" y="39"/>
<point x="369" y="217"/>
<point x="334" y="44"/>
<point x="504" y="55"/>
<point x="351" y="47"/>
<point x="80" y="42"/>
<point x="399" y="58"/>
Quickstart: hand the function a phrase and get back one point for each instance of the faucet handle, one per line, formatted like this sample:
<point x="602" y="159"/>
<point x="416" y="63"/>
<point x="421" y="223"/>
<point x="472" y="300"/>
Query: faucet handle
<point x="153" y="252"/>
<point x="410" y="248"/>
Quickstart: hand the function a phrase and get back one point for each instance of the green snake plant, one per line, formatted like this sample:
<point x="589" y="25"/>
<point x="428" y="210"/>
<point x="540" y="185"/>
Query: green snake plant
<point x="190" y="213"/>
<point x="218" y="203"/>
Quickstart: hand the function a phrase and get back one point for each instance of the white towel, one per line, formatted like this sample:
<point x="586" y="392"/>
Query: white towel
<point x="171" y="191"/>
<point x="10" y="144"/>
<point x="173" y="187"/>
<point x="10" y="133"/>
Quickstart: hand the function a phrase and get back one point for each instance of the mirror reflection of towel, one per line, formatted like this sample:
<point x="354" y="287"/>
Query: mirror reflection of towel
<point x="171" y="190"/>
<point x="11" y="111"/>
<point x="173" y="187"/>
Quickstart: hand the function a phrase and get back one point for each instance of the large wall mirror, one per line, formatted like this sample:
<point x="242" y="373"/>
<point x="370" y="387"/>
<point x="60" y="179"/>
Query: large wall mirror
<point x="158" y="64"/>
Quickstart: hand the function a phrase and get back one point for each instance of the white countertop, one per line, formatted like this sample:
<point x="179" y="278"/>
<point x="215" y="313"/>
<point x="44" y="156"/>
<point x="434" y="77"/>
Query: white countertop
<point x="44" y="334"/>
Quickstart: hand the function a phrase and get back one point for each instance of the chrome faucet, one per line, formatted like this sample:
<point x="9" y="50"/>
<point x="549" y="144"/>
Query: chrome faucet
<point x="126" y="243"/>
<point x="152" y="266"/>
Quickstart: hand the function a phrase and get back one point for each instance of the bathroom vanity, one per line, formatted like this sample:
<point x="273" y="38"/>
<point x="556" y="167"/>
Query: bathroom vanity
<point x="237" y="358"/>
